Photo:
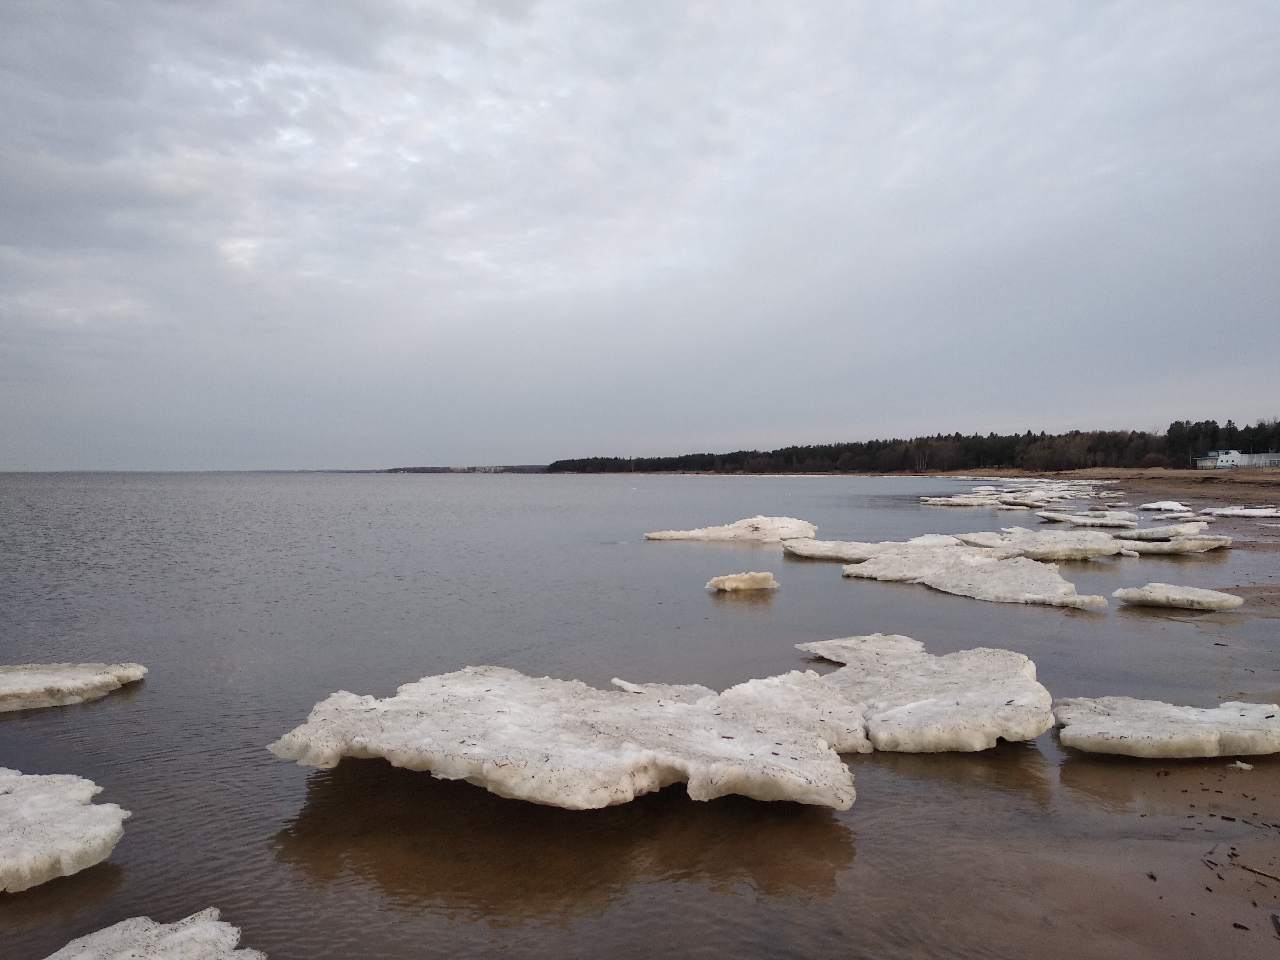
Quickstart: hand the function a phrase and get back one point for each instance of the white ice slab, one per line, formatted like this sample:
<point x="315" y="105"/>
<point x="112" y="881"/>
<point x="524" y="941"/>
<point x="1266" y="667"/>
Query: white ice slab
<point x="1047" y="545"/>
<point x="737" y="582"/>
<point x="201" y="936"/>
<point x="50" y="828"/>
<point x="1202" y="544"/>
<point x="1183" y="598"/>
<point x="1262" y="512"/>
<point x="1150" y="728"/>
<point x="977" y="573"/>
<point x="855" y="551"/>
<point x="563" y="743"/>
<point x="1166" y="532"/>
<point x="25" y="686"/>
<point x="757" y="529"/>
<point x="1167" y="506"/>
<point x="915" y="702"/>
<point x="1118" y="518"/>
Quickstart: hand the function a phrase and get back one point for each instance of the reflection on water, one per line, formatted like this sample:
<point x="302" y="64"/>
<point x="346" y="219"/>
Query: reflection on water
<point x="57" y="902"/>
<point x="1011" y="768"/>
<point x="452" y="846"/>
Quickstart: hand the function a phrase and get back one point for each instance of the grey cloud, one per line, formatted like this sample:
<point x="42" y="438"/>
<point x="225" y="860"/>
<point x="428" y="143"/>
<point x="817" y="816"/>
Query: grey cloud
<point x="294" y="235"/>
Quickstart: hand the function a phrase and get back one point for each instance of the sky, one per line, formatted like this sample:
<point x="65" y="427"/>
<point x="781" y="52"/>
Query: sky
<point x="243" y="235"/>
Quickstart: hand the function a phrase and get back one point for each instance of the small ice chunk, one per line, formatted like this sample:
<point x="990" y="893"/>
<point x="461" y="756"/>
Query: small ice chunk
<point x="1167" y="532"/>
<point x="201" y="936"/>
<point x="1183" y="598"/>
<point x="1166" y="506"/>
<point x="854" y="551"/>
<point x="1151" y="728"/>
<point x="978" y="573"/>
<point x="915" y="702"/>
<point x="1176" y="545"/>
<point x="758" y="529"/>
<point x="25" y="686"/>
<point x="563" y="743"/>
<point x="1046" y="544"/>
<point x="962" y="500"/>
<point x="50" y="828"/>
<point x="737" y="582"/>
<point x="1241" y="765"/>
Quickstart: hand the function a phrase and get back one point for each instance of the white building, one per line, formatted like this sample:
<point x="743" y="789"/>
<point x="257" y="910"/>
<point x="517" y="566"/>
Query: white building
<point x="1226" y="459"/>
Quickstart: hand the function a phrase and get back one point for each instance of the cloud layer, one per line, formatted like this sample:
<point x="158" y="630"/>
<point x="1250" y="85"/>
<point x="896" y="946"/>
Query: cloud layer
<point x="300" y="235"/>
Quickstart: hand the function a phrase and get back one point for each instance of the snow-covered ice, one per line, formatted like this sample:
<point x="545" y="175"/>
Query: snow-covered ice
<point x="1046" y="544"/>
<point x="1151" y="728"/>
<point x="1118" y="518"/>
<point x="1183" y="598"/>
<point x="978" y="573"/>
<point x="1166" y="506"/>
<point x="25" y="686"/>
<point x="1167" y="532"/>
<point x="915" y="702"/>
<point x="201" y="936"/>
<point x="759" y="529"/>
<point x="854" y="551"/>
<point x="736" y="582"/>
<point x="50" y="828"/>
<point x="1262" y="512"/>
<point x="1192" y="544"/>
<point x="563" y="743"/>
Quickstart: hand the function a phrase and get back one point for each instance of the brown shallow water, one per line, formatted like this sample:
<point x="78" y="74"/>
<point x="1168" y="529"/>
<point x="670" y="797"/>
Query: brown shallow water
<point x="252" y="596"/>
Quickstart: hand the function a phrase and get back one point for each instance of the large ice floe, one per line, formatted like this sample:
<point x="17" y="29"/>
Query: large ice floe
<point x="854" y="551"/>
<point x="1177" y="545"/>
<point x="1151" y="728"/>
<point x="563" y="743"/>
<point x="50" y="828"/>
<point x="1045" y="544"/>
<point x="25" y="686"/>
<point x="978" y="573"/>
<point x="889" y="695"/>
<point x="738" y="582"/>
<point x="201" y="936"/>
<point x="915" y="702"/>
<point x="1183" y="598"/>
<point x="758" y="529"/>
<point x="1102" y="518"/>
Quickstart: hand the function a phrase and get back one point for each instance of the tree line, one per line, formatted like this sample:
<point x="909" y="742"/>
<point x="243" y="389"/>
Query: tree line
<point x="1026" y="451"/>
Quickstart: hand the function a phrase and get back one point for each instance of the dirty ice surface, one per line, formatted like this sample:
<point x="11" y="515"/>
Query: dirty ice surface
<point x="1151" y="728"/>
<point x="201" y="936"/>
<point x="760" y="529"/>
<point x="1171" y="595"/>
<point x="25" y="686"/>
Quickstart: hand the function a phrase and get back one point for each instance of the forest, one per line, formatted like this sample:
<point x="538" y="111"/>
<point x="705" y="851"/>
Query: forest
<point x="1074" y="450"/>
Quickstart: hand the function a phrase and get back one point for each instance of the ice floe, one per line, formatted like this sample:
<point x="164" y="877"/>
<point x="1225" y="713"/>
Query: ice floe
<point x="735" y="582"/>
<point x="25" y="686"/>
<point x="1167" y="532"/>
<point x="1262" y="512"/>
<point x="1151" y="728"/>
<point x="978" y="573"/>
<point x="759" y="529"/>
<point x="1171" y="595"/>
<point x="563" y="743"/>
<point x="1193" y="544"/>
<point x="1117" y="518"/>
<point x="201" y="936"/>
<point x="915" y="702"/>
<point x="50" y="828"/>
<point x="853" y="551"/>
<point x="1046" y="544"/>
<point x="1166" y="506"/>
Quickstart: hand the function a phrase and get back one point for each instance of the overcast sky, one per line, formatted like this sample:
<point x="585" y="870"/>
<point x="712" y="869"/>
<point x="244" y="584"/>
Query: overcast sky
<point x="370" y="234"/>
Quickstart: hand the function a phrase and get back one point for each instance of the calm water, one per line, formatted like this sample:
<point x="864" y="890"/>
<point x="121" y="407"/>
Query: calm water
<point x="252" y="596"/>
